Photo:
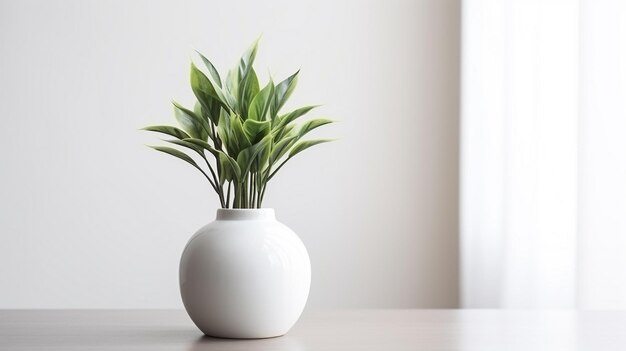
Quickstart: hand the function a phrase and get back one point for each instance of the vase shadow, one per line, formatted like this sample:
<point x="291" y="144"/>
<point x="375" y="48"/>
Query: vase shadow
<point x="276" y="343"/>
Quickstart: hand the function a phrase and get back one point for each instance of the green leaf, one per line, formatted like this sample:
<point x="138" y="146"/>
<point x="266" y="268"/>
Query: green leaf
<point x="206" y="91"/>
<point x="249" y="155"/>
<point x="231" y="101"/>
<point x="312" y="124"/>
<point x="202" y="87"/>
<point x="291" y="116"/>
<point x="285" y="132"/>
<point x="283" y="91"/>
<point x="261" y="162"/>
<point x="225" y="173"/>
<point x="203" y="145"/>
<point x="249" y="88"/>
<point x="232" y="134"/>
<point x="256" y="130"/>
<point x="303" y="145"/>
<point x="193" y="124"/>
<point x="172" y="131"/>
<point x="247" y="59"/>
<point x="198" y="110"/>
<point x="224" y="131"/>
<point x="229" y="169"/>
<point x="281" y="148"/>
<point x="237" y="135"/>
<point x="261" y="103"/>
<point x="212" y="71"/>
<point x="232" y="82"/>
<point x="187" y="144"/>
<point x="176" y="153"/>
<point x="212" y="114"/>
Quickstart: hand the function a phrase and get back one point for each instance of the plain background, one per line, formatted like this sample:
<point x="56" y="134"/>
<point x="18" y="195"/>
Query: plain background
<point x="91" y="218"/>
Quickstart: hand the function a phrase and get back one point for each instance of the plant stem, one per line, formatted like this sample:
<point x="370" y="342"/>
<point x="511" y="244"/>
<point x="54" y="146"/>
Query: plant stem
<point x="276" y="170"/>
<point x="218" y="145"/>
<point x="253" y="189"/>
<point x="228" y="195"/>
<point x="240" y="202"/>
<point x="214" y="186"/>
<point x="219" y="191"/>
<point x="258" y="197"/>
<point x="242" y="193"/>
<point x="262" y="194"/>
<point x="237" y="199"/>
<point x="249" y="187"/>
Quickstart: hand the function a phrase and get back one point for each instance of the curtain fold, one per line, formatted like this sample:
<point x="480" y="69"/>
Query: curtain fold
<point x="536" y="179"/>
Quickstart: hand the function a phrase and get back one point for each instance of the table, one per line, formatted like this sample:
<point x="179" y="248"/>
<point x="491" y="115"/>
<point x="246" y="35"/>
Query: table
<point x="362" y="330"/>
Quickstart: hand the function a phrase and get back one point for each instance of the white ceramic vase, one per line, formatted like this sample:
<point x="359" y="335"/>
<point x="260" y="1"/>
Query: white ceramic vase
<point x="245" y="275"/>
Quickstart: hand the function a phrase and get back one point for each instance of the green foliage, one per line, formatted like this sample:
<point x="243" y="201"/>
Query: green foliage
<point x="173" y="131"/>
<point x="237" y="130"/>
<point x="194" y="125"/>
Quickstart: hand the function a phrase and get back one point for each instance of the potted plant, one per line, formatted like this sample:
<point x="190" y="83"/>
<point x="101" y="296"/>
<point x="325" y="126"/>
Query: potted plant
<point x="244" y="275"/>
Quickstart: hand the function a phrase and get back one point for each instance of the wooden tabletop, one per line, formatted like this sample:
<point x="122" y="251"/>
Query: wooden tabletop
<point x="363" y="330"/>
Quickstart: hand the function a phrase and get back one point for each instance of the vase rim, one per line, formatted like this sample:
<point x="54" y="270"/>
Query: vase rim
<point x="245" y="213"/>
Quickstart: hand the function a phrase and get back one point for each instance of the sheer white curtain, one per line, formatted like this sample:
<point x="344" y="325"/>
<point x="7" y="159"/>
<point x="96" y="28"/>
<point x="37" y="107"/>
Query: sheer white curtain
<point x="543" y="190"/>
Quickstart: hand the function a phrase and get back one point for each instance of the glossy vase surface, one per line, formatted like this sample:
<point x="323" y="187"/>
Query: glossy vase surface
<point x="245" y="275"/>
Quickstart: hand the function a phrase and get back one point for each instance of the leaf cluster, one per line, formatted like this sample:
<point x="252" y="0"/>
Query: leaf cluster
<point x="238" y="131"/>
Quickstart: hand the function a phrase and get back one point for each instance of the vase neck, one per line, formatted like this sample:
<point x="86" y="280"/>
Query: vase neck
<point x="245" y="214"/>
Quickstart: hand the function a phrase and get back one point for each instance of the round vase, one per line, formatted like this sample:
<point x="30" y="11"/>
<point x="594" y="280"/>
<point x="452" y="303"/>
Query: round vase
<point x="245" y="275"/>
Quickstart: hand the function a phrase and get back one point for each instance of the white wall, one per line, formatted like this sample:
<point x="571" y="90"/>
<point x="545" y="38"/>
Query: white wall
<point x="89" y="217"/>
